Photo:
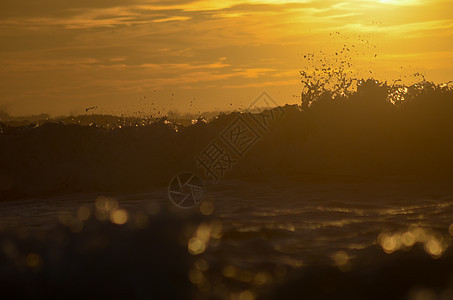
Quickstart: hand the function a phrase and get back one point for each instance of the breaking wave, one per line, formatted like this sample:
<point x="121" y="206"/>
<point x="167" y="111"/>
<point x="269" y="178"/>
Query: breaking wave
<point x="346" y="127"/>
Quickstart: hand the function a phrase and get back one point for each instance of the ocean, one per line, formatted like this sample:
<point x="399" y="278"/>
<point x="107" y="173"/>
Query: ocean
<point x="350" y="198"/>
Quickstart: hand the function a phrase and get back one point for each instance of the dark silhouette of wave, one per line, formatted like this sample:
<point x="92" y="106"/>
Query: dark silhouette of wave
<point x="377" y="129"/>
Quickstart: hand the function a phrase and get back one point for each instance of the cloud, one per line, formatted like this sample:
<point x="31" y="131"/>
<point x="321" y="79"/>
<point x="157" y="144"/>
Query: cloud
<point x="66" y="8"/>
<point x="54" y="49"/>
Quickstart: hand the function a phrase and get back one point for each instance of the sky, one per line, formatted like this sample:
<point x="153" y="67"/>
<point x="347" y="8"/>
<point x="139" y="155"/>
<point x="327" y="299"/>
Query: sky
<point x="140" y="57"/>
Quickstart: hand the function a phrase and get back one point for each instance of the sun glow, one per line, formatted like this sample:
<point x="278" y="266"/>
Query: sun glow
<point x="260" y="43"/>
<point x="400" y="2"/>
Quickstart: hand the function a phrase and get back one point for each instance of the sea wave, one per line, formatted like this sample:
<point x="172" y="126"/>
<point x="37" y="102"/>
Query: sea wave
<point x="377" y="129"/>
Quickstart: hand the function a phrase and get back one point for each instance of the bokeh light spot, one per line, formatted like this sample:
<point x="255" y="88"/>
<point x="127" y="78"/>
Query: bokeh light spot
<point x="119" y="216"/>
<point x="207" y="208"/>
<point x="246" y="295"/>
<point x="201" y="265"/>
<point x="196" y="246"/>
<point x="195" y="276"/>
<point x="33" y="260"/>
<point x="230" y="271"/>
<point x="83" y="213"/>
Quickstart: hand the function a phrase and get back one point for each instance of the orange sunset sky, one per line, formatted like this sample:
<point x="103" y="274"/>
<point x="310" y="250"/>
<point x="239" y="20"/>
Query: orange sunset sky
<point x="142" y="56"/>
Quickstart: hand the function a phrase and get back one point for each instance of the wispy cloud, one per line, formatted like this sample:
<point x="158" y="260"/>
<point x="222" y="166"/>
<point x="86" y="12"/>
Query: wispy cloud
<point x="77" y="48"/>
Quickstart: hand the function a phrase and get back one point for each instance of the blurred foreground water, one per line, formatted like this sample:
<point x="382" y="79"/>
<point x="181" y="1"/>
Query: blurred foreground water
<point x="386" y="238"/>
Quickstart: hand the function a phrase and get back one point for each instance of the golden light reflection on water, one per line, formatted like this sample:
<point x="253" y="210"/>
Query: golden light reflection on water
<point x="216" y="229"/>
<point x="388" y="242"/>
<point x="434" y="247"/>
<point x="229" y="271"/>
<point x="83" y="213"/>
<point x="206" y="208"/>
<point x="104" y="203"/>
<point x="433" y="243"/>
<point x="244" y="276"/>
<point x="408" y="239"/>
<point x="291" y="261"/>
<point x="107" y="208"/>
<point x="101" y="215"/>
<point x="261" y="278"/>
<point x="341" y="259"/>
<point x="196" y="246"/>
<point x="246" y="295"/>
<point x="206" y="232"/>
<point x="119" y="216"/>
<point x="196" y="276"/>
<point x="201" y="265"/>
<point x="67" y="219"/>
